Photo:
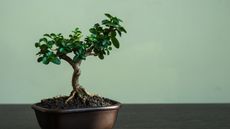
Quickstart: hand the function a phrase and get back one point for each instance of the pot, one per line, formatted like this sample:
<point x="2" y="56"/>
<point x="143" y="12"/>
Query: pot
<point x="82" y="118"/>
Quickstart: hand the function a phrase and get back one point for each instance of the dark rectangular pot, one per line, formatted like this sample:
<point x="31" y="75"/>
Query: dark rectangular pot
<point x="83" y="118"/>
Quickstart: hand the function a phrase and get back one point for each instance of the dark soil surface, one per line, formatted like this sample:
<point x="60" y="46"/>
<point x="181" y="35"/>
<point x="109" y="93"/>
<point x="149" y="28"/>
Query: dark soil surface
<point x="76" y="102"/>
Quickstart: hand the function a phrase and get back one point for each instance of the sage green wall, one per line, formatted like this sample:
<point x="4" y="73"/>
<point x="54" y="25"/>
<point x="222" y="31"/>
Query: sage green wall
<point x="176" y="51"/>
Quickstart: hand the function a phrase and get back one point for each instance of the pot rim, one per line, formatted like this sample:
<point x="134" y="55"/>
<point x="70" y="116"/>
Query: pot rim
<point x="115" y="106"/>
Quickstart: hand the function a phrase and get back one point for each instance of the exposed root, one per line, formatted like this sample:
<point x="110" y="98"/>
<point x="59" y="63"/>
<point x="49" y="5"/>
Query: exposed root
<point x="84" y="91"/>
<point x="71" y="96"/>
<point x="80" y="92"/>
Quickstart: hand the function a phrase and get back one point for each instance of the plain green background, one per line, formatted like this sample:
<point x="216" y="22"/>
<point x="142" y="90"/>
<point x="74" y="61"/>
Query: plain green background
<point x="176" y="51"/>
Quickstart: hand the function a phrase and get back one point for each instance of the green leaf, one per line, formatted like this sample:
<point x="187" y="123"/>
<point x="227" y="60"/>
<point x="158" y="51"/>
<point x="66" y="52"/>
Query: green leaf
<point x="47" y="35"/>
<point x="115" y="20"/>
<point x="53" y="35"/>
<point x="119" y="20"/>
<point x="43" y="47"/>
<point x="40" y="59"/>
<point x="101" y="56"/>
<point x="37" y="44"/>
<point x="49" y="54"/>
<point x="93" y="30"/>
<point x="39" y="53"/>
<point x="96" y="25"/>
<point x="63" y="44"/>
<point x="119" y="32"/>
<point x="77" y="30"/>
<point x="62" y="50"/>
<point x="103" y="52"/>
<point x="104" y="43"/>
<point x="45" y="60"/>
<point x="108" y="15"/>
<point x="110" y="48"/>
<point x="104" y="22"/>
<point x="108" y="52"/>
<point x="122" y="29"/>
<point x="68" y="49"/>
<point x="109" y="43"/>
<point x="59" y="34"/>
<point x="115" y="42"/>
<point x="76" y="58"/>
<point x="81" y="57"/>
<point x="43" y="39"/>
<point x="113" y="33"/>
<point x="55" y="60"/>
<point x="50" y="43"/>
<point x="111" y="24"/>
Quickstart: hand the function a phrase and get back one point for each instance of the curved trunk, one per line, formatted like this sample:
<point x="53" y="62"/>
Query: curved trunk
<point x="75" y="83"/>
<point x="75" y="78"/>
<point x="77" y="89"/>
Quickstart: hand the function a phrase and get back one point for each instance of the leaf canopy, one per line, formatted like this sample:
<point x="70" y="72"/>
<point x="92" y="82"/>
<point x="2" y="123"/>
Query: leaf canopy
<point x="100" y="41"/>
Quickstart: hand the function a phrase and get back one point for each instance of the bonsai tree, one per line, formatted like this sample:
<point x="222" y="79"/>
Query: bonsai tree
<point x="55" y="47"/>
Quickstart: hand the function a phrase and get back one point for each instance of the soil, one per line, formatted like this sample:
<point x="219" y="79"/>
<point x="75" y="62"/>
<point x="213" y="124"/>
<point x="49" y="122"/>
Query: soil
<point x="76" y="102"/>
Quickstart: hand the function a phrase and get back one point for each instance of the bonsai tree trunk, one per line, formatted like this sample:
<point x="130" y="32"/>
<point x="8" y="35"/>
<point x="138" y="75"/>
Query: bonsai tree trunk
<point x="75" y="78"/>
<point x="75" y="83"/>
<point x="77" y="89"/>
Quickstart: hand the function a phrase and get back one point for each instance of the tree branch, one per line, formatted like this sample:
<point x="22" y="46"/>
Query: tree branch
<point x="89" y="49"/>
<point x="89" y="52"/>
<point x="68" y="59"/>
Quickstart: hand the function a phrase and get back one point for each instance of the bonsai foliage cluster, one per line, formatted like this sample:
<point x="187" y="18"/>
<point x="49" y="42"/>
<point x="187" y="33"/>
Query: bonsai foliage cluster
<point x="55" y="47"/>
